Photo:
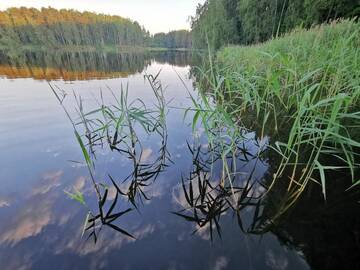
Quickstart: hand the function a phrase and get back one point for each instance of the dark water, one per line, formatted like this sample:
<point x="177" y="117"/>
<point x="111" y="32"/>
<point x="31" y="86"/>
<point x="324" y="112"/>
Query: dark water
<point x="41" y="227"/>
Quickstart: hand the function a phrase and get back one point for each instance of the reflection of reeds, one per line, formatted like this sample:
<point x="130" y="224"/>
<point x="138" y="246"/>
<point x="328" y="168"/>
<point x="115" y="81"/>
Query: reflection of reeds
<point x="208" y="198"/>
<point x="115" y="126"/>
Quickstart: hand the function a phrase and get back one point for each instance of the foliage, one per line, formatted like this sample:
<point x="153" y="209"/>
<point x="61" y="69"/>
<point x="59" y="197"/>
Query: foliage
<point x="50" y="27"/>
<point x="114" y="127"/>
<point x="216" y="23"/>
<point x="173" y="39"/>
<point x="222" y="22"/>
<point x="303" y="91"/>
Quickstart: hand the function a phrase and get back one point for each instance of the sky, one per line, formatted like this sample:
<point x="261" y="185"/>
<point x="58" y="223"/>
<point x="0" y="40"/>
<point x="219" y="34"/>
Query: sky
<point x="154" y="15"/>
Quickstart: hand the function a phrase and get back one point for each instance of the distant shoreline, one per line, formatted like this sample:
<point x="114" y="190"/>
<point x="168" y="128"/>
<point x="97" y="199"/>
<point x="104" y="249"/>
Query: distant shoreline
<point x="114" y="49"/>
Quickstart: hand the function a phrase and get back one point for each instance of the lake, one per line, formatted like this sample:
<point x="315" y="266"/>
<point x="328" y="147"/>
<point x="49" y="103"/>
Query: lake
<point x="42" y="167"/>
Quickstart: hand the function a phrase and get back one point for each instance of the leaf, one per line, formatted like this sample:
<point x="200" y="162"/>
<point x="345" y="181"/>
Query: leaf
<point x="77" y="196"/>
<point x="94" y="235"/>
<point x="103" y="200"/>
<point x="83" y="149"/>
<point x="112" y="205"/>
<point x="116" y="228"/>
<point x="116" y="186"/>
<point x="85" y="223"/>
<point x="195" y="119"/>
<point x="117" y="215"/>
<point x="322" y="177"/>
<point x="354" y="185"/>
<point x="185" y="192"/>
<point x="188" y="218"/>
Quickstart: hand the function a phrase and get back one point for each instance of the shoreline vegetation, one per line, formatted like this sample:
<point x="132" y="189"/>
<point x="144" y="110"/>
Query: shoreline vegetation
<point x="220" y="23"/>
<point x="301" y="91"/>
<point x="106" y="49"/>
<point x="288" y="70"/>
<point x="53" y="29"/>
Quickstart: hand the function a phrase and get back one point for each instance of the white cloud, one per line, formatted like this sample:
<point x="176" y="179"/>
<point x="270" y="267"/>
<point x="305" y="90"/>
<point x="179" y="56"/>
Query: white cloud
<point x="221" y="263"/>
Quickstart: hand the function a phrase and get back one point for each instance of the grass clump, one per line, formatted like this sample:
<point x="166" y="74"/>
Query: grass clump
<point x="303" y="90"/>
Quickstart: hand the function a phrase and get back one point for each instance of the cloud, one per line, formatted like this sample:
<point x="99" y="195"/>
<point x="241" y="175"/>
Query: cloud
<point x="36" y="213"/>
<point x="80" y="183"/>
<point x="4" y="203"/>
<point x="108" y="240"/>
<point x="221" y="263"/>
<point x="146" y="154"/>
<point x="276" y="262"/>
<point x="28" y="222"/>
<point x="49" y="181"/>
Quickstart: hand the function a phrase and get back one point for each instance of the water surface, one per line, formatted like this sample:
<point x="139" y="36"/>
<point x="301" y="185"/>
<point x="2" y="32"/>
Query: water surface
<point x="41" y="227"/>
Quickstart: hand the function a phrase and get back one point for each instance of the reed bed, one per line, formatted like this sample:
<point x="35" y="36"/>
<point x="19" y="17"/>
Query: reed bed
<point x="303" y="91"/>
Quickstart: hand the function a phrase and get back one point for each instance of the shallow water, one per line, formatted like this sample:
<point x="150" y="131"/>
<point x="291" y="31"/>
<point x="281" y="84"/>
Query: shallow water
<point x="41" y="227"/>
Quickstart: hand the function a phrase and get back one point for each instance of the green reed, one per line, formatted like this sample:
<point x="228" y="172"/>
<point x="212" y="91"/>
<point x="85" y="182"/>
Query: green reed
<point x="302" y="90"/>
<point x="114" y="126"/>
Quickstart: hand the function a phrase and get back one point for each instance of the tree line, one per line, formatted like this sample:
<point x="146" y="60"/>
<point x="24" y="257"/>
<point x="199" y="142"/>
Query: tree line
<point x="50" y="27"/>
<point x="223" y="22"/>
<point x="173" y="39"/>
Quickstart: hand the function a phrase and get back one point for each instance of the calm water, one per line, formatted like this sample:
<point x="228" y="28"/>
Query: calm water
<point x="41" y="227"/>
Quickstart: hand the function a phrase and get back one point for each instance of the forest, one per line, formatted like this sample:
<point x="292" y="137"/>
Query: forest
<point x="50" y="27"/>
<point x="173" y="39"/>
<point x="224" y="22"/>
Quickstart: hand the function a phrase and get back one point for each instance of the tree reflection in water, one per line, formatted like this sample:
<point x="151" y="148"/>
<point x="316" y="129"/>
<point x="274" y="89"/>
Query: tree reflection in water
<point x="83" y="65"/>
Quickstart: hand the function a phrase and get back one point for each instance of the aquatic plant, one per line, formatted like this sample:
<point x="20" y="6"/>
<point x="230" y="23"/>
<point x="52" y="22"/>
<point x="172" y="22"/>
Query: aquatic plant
<point x="302" y="90"/>
<point x="114" y="126"/>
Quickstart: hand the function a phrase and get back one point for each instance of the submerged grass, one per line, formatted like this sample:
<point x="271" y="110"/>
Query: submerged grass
<point x="303" y="90"/>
